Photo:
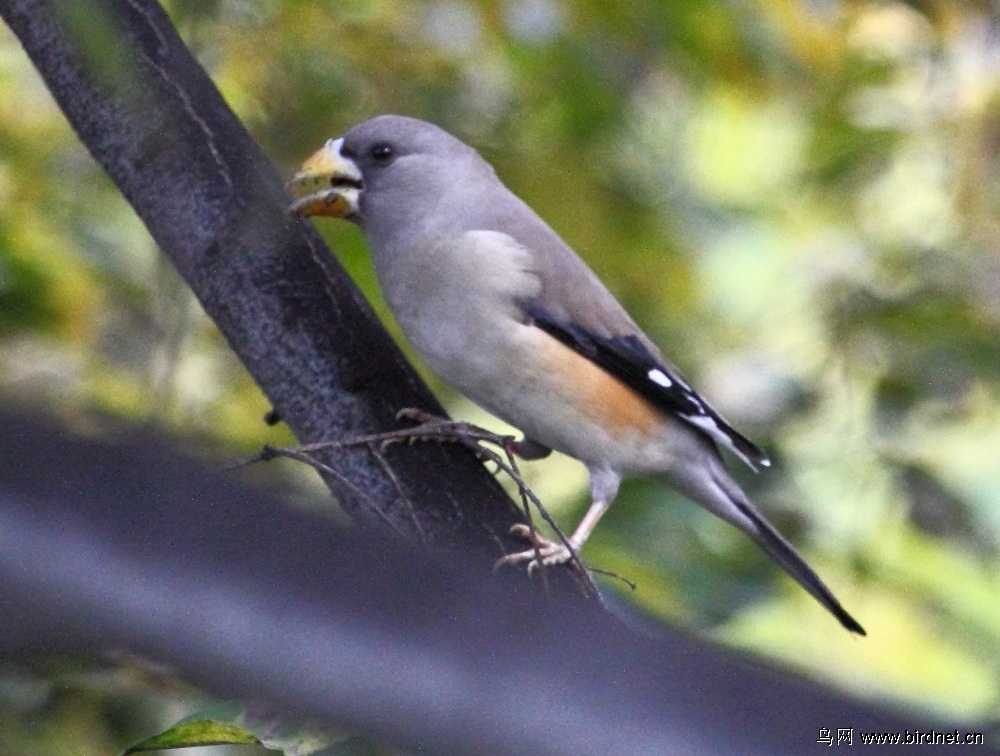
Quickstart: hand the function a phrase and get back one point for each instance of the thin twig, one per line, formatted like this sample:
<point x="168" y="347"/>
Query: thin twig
<point x="521" y="489"/>
<point x="431" y="428"/>
<point x="384" y="464"/>
<point x="615" y="575"/>
<point x="292" y="452"/>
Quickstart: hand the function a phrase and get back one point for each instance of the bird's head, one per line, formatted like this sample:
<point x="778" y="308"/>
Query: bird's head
<point x="382" y="169"/>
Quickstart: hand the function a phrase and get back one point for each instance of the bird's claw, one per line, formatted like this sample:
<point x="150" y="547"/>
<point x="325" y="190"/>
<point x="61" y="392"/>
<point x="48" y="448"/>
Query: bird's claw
<point x="419" y="416"/>
<point x="549" y="552"/>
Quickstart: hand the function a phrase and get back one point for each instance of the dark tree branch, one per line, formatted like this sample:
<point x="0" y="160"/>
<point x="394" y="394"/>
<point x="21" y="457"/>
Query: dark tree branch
<point x="132" y="547"/>
<point x="214" y="203"/>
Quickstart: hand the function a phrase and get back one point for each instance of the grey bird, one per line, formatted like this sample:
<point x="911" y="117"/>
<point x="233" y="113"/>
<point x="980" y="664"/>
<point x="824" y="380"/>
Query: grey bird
<point x="502" y="309"/>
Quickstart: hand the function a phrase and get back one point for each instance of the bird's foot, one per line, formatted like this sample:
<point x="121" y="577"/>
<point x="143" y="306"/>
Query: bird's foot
<point x="544" y="553"/>
<point x="441" y="428"/>
<point x="435" y="428"/>
<point x="420" y="417"/>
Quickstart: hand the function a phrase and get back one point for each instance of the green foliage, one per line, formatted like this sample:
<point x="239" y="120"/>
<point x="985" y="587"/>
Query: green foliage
<point x="197" y="732"/>
<point x="233" y="724"/>
<point x="797" y="199"/>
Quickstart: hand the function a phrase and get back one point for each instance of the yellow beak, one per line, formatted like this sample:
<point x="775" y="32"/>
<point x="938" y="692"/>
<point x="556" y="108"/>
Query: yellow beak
<point x="327" y="184"/>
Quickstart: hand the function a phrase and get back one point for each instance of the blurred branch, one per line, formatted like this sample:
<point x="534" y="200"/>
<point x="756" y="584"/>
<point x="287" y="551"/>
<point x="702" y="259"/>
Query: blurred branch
<point x="211" y="199"/>
<point x="133" y="547"/>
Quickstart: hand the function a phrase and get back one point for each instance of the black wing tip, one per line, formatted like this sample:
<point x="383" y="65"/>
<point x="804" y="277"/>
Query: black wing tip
<point x="752" y="454"/>
<point x="760" y="457"/>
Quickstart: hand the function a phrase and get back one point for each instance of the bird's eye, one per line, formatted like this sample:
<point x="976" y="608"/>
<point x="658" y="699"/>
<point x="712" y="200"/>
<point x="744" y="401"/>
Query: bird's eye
<point x="382" y="152"/>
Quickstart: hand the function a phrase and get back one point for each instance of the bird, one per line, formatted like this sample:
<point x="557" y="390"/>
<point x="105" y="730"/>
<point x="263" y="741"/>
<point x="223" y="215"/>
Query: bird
<point x="502" y="309"/>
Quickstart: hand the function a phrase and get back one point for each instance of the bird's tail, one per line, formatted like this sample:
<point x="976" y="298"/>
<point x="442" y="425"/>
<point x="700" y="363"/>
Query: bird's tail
<point x="722" y="496"/>
<point x="781" y="551"/>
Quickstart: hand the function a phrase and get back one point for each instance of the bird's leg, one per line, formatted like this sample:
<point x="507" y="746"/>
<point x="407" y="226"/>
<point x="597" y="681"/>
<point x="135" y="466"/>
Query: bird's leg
<point x="603" y="487"/>
<point x="554" y="552"/>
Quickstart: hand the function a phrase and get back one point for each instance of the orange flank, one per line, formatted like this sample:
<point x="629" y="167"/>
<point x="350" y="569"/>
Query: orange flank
<point x="604" y="399"/>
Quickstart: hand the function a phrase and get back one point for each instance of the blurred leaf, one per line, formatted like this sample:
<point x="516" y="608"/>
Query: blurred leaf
<point x="233" y="724"/>
<point x="199" y="732"/>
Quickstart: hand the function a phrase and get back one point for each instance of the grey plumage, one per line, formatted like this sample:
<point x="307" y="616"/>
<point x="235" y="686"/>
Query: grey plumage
<point x="500" y="307"/>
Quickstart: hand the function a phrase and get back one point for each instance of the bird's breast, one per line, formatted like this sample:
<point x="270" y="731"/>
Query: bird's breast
<point x="455" y="297"/>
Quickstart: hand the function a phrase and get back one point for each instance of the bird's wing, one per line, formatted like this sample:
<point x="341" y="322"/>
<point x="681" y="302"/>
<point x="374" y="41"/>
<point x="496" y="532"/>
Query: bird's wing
<point x="576" y="308"/>
<point x="627" y="358"/>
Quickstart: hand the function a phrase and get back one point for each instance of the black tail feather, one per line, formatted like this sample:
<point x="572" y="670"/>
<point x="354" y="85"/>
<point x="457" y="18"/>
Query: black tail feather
<point x="781" y="551"/>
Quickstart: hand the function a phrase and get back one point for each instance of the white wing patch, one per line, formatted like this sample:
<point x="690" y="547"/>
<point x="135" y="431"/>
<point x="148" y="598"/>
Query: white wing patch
<point x="660" y="378"/>
<point x="708" y="424"/>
